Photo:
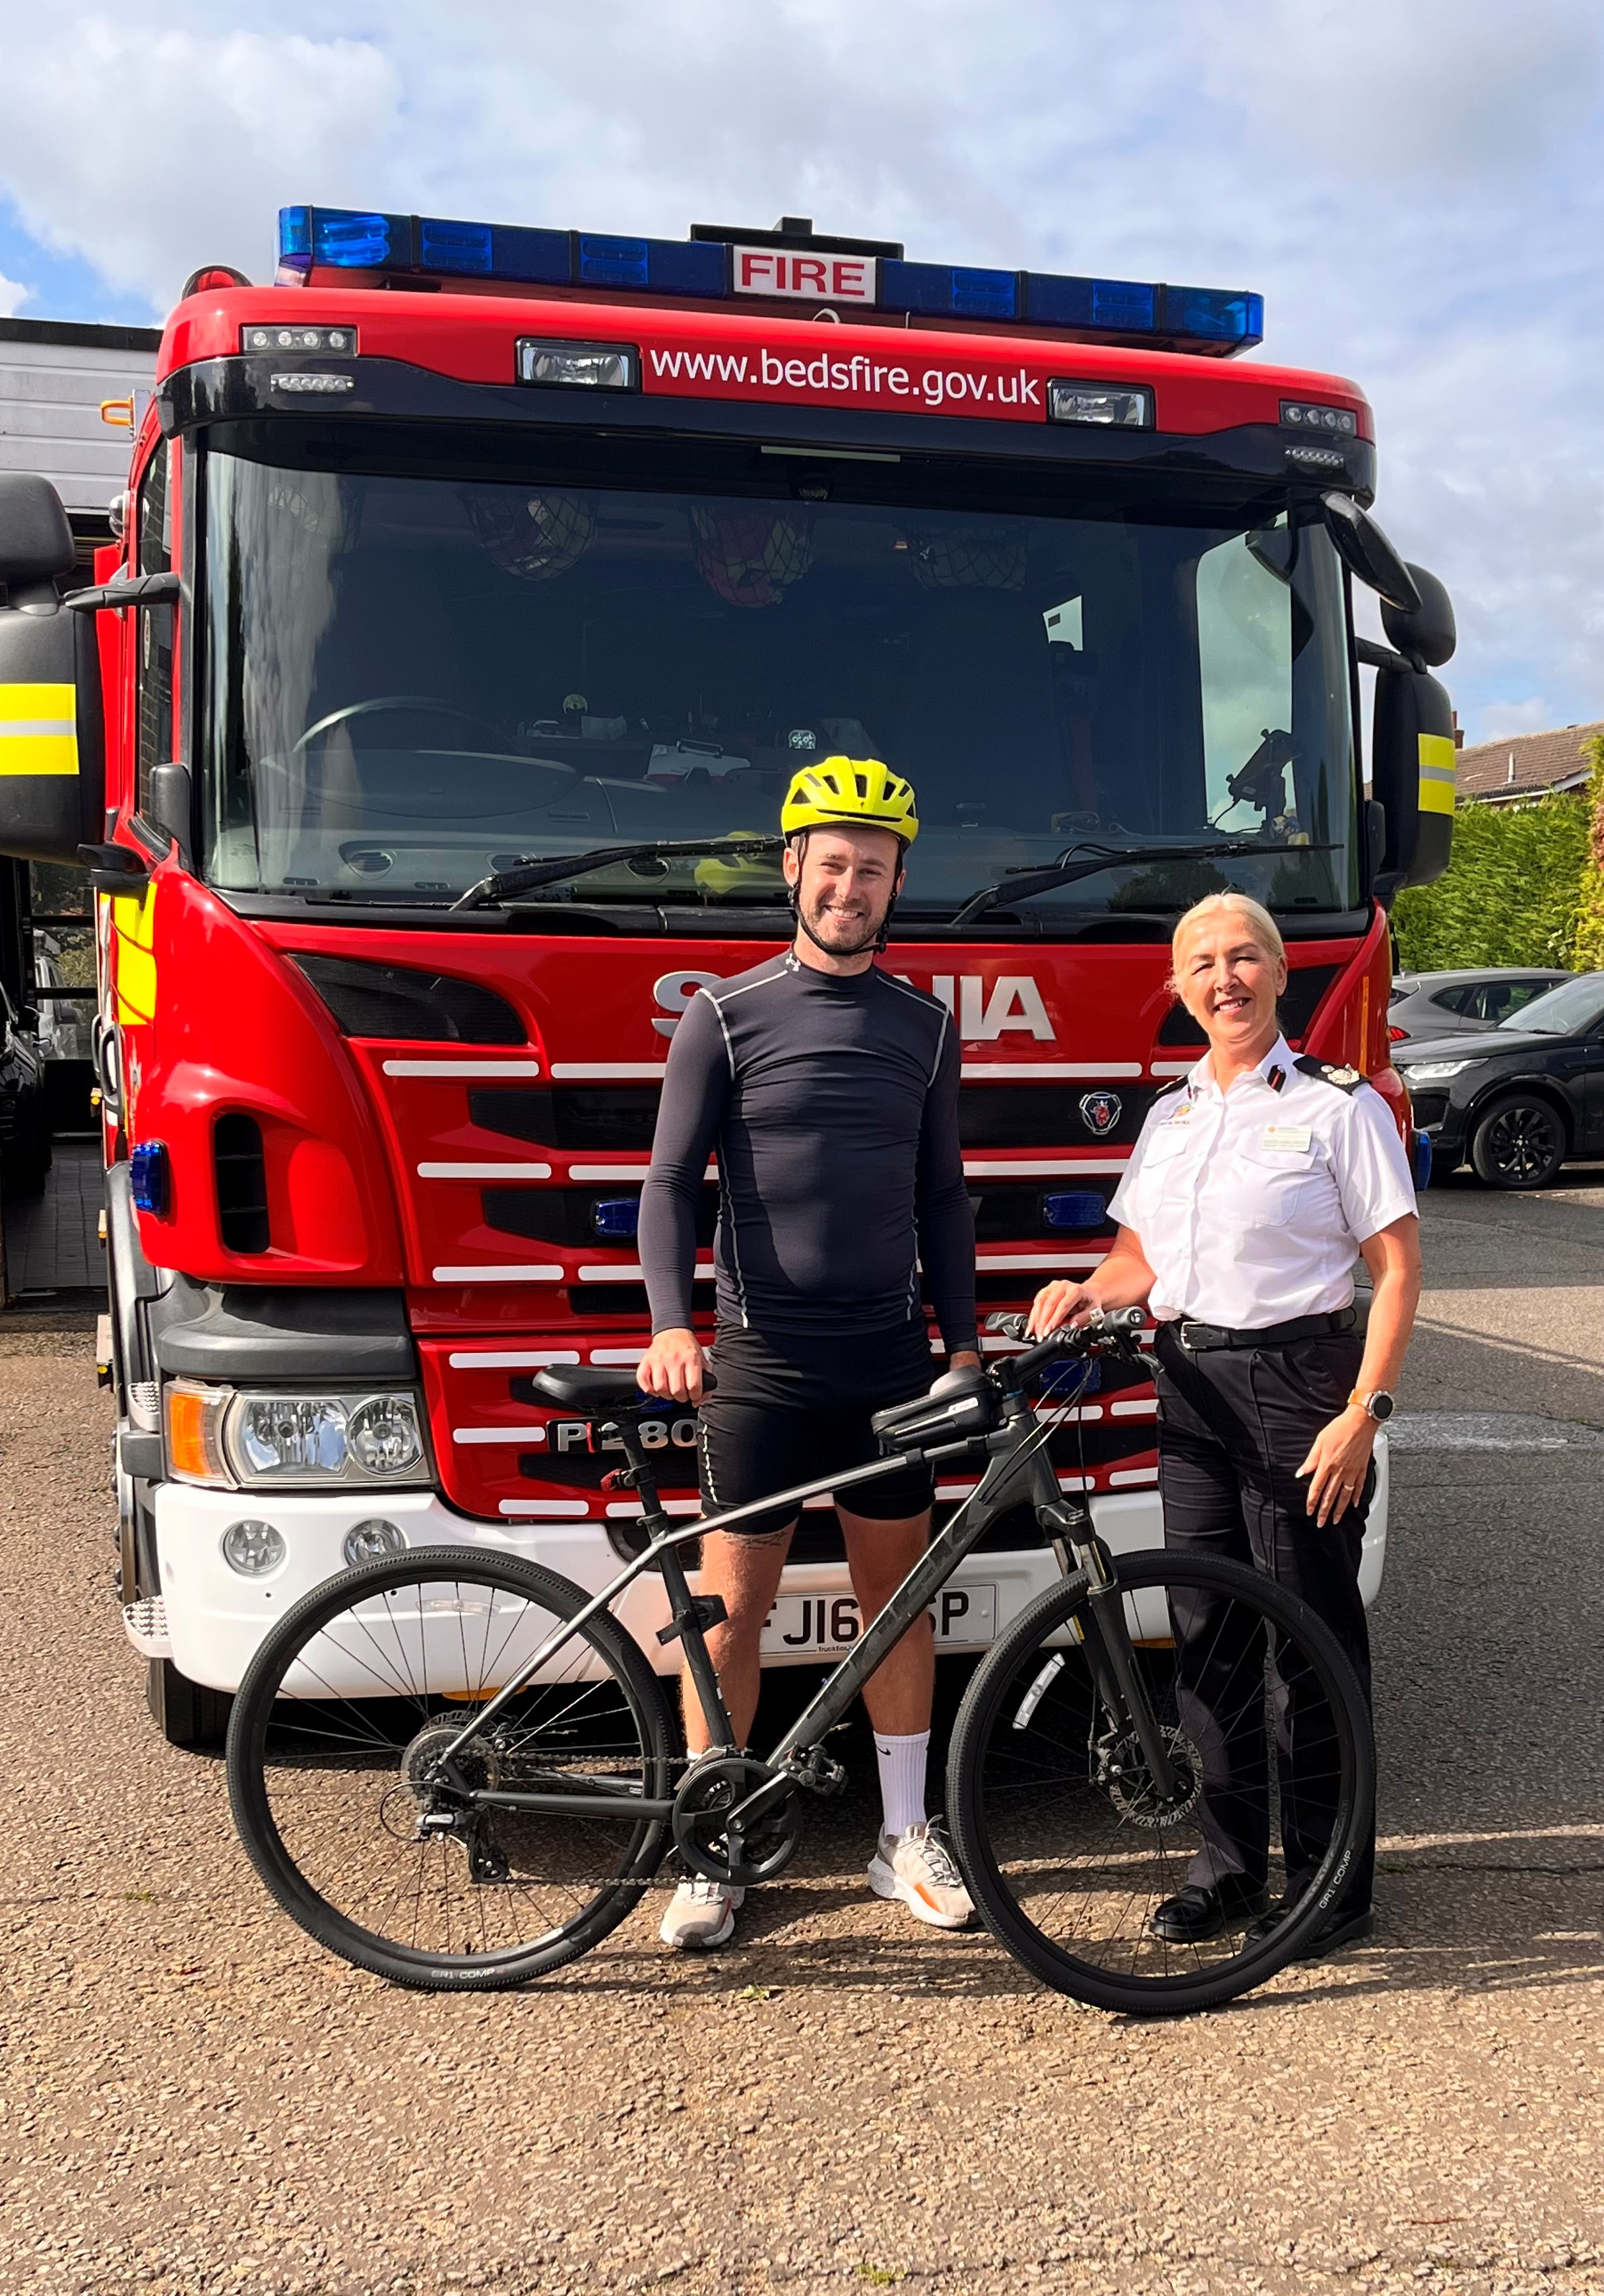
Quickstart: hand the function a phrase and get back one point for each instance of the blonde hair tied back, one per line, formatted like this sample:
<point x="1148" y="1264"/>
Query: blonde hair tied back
<point x="1254" y="915"/>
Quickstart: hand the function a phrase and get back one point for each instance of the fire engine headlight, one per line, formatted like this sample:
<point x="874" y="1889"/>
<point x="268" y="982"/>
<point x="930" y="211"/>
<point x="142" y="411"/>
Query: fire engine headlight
<point x="292" y="1437"/>
<point x="384" y="1435"/>
<point x="218" y="1435"/>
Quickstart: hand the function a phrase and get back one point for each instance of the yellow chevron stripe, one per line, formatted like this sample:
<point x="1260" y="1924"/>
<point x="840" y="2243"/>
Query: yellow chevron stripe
<point x="1439" y="762"/>
<point x="38" y="729"/>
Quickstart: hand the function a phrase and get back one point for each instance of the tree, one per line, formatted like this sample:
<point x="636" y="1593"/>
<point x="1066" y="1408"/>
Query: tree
<point x="1514" y="891"/>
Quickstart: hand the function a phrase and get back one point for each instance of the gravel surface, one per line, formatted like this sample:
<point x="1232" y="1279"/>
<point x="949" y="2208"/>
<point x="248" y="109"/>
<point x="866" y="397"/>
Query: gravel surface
<point x="197" y="2100"/>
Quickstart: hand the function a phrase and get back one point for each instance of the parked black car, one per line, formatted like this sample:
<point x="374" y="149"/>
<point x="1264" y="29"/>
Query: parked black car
<point x="24" y="1126"/>
<point x="1518" y="1099"/>
<point x="1428" y="1004"/>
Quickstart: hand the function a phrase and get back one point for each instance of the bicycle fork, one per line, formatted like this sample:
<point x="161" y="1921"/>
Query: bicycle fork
<point x="1110" y="1654"/>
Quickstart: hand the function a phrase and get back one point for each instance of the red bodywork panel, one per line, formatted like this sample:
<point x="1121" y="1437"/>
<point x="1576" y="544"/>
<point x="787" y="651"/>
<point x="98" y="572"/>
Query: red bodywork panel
<point x="471" y="337"/>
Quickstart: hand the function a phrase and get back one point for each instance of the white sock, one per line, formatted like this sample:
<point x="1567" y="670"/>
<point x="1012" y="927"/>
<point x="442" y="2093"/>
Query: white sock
<point x="902" y="1778"/>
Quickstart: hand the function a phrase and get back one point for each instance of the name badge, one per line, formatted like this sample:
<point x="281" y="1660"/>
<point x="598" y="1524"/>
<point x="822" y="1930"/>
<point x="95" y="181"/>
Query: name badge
<point x="1291" y="1136"/>
<point x="1182" y="1115"/>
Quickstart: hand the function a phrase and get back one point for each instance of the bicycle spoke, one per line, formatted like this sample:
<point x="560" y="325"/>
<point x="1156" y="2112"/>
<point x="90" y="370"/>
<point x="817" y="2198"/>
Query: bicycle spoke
<point x="1070" y="1846"/>
<point x="372" y="1837"/>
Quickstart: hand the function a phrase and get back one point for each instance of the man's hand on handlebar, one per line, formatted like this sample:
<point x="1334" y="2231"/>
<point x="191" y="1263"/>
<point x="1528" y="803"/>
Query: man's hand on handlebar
<point x="674" y="1368"/>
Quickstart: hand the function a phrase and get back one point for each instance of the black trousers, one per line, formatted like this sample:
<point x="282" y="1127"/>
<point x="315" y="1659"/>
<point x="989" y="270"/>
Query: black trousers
<point x="1234" y="1426"/>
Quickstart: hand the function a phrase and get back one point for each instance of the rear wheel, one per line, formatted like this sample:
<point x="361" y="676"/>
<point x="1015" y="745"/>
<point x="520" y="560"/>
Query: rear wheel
<point x="1068" y="1848"/>
<point x="339" y="1778"/>
<point x="1518" y="1143"/>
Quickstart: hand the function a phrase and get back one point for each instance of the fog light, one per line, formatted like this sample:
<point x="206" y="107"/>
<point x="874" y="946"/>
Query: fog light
<point x="588" y="366"/>
<point x="253" y="1548"/>
<point x="1124" y="407"/>
<point x="371" y="1541"/>
<point x="383" y="1435"/>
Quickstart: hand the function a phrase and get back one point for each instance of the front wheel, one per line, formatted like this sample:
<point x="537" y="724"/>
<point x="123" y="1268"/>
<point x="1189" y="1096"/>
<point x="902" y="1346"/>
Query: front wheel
<point x="1518" y="1143"/>
<point x="360" y="1811"/>
<point x="1068" y="1848"/>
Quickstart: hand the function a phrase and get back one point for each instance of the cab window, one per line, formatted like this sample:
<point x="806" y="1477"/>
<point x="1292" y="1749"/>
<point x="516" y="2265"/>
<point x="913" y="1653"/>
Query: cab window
<point x="154" y="630"/>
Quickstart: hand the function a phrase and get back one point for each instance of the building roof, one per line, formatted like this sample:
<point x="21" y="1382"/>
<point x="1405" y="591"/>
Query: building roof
<point x="53" y="376"/>
<point x="1528" y="765"/>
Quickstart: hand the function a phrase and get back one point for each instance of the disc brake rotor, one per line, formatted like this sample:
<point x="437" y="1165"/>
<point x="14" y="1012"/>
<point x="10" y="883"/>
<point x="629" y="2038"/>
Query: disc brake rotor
<point x="1123" y="1773"/>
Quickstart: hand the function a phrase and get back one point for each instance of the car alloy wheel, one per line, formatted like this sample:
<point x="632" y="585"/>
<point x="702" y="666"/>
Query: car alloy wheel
<point x="1519" y="1144"/>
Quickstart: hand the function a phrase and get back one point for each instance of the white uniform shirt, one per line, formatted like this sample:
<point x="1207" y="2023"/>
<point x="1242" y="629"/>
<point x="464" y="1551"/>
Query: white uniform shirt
<point x="1251" y="1205"/>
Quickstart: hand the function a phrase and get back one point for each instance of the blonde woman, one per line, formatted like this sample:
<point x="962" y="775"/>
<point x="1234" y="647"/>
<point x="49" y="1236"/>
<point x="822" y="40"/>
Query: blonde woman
<point x="1256" y="1183"/>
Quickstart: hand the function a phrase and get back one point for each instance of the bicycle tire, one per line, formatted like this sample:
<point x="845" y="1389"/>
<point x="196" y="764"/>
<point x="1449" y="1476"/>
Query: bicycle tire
<point x="1000" y="1797"/>
<point x="301" y="1741"/>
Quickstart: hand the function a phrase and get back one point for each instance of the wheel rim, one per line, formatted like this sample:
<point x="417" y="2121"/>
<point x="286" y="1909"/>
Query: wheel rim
<point x="1072" y="1860"/>
<point x="334" y="1774"/>
<point x="1523" y="1143"/>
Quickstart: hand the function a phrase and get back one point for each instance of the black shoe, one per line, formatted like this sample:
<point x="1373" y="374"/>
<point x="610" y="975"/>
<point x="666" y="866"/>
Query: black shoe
<point x="1196" y="1912"/>
<point x="1337" y="1929"/>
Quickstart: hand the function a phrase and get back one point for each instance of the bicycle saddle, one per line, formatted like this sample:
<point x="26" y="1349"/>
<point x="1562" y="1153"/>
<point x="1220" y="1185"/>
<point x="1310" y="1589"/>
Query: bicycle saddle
<point x="961" y="1403"/>
<point x="595" y="1393"/>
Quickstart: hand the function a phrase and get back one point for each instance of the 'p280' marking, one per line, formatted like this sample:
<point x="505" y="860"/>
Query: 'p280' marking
<point x="655" y="1435"/>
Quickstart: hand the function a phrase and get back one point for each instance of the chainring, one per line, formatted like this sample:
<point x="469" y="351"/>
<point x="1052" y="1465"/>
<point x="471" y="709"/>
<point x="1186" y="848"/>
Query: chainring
<point x="751" y="1853"/>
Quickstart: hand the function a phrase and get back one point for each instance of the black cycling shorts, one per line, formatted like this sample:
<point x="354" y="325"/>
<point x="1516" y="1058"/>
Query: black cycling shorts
<point x="789" y="1409"/>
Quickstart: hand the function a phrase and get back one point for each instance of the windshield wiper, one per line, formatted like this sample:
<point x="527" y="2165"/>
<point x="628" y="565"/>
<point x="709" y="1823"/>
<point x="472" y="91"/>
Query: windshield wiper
<point x="507" y="884"/>
<point x="1066" y="870"/>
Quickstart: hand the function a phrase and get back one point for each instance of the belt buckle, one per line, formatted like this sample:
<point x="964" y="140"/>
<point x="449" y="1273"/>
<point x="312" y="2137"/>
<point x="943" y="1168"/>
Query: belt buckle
<point x="1189" y="1325"/>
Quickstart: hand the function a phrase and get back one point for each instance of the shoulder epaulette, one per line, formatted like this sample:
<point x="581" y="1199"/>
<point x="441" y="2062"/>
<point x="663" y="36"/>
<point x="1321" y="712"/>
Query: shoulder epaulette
<point x="1345" y="1079"/>
<point x="1165" y="1090"/>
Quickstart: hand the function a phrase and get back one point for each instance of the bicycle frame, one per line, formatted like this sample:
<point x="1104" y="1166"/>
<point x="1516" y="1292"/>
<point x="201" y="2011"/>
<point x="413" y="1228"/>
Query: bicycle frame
<point x="1017" y="1470"/>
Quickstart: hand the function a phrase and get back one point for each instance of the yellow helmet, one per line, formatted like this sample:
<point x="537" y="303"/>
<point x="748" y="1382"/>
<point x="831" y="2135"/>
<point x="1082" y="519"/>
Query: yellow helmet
<point x="857" y="790"/>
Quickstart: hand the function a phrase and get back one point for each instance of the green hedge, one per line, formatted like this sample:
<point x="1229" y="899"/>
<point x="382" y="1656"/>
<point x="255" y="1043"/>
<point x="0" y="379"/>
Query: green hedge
<point x="1514" y="892"/>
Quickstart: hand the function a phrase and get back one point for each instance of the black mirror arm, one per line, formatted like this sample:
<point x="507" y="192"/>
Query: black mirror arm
<point x="114" y="869"/>
<point x="143" y="590"/>
<point x="1374" y="655"/>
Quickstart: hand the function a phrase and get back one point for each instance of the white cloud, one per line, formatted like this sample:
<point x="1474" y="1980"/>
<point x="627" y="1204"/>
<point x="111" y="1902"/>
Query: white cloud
<point x="149" y="152"/>
<point x="13" y="296"/>
<point x="1413" y="188"/>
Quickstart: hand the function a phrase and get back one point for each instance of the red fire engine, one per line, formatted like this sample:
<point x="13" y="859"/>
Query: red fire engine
<point x="482" y="589"/>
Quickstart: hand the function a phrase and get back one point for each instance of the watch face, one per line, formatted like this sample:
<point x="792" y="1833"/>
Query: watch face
<point x="1381" y="1405"/>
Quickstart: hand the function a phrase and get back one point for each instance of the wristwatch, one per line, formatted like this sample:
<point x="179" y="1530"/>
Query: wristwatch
<point x="1377" y="1403"/>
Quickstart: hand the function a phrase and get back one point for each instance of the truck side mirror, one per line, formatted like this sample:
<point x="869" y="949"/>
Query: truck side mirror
<point x="53" y="766"/>
<point x="1413" y="765"/>
<point x="1427" y="635"/>
<point x="1367" y="554"/>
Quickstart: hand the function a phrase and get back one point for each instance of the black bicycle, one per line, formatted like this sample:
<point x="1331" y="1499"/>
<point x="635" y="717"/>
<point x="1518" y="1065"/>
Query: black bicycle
<point x="460" y="1771"/>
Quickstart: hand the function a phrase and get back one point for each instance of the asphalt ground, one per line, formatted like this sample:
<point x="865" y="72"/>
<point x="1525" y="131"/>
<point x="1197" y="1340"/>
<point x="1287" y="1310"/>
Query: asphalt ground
<point x="196" y="2099"/>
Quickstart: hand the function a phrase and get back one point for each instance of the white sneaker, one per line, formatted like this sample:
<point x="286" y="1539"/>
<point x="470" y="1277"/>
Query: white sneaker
<point x="701" y="1915"/>
<point x="917" y="1867"/>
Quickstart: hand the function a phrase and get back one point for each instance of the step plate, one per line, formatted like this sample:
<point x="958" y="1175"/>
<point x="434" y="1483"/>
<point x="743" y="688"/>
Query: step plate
<point x="146" y="1624"/>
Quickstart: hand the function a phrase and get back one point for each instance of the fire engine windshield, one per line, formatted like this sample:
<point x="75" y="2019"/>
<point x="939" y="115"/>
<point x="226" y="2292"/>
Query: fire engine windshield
<point x="411" y="681"/>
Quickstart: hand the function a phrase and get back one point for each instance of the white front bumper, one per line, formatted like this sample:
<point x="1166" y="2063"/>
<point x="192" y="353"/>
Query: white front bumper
<point x="215" y="1618"/>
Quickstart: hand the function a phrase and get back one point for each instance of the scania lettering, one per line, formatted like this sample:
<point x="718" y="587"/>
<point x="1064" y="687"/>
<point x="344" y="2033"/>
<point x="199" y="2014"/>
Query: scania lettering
<point x="425" y="737"/>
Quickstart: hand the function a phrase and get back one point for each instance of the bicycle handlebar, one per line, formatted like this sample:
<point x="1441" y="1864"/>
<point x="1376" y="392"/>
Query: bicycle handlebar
<point x="1107" y="1325"/>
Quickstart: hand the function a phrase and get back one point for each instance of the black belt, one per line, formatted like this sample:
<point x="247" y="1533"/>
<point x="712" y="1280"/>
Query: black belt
<point x="1197" y="1336"/>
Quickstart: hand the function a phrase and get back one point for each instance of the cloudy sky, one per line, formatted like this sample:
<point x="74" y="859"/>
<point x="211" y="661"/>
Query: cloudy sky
<point x="1414" y="185"/>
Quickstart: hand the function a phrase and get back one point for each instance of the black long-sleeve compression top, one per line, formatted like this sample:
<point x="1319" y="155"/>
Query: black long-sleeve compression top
<point x="831" y="1103"/>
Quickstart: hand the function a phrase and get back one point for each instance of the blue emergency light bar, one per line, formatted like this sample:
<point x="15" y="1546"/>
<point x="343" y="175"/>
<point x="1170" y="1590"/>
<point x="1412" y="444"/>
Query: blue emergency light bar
<point x="1206" y="319"/>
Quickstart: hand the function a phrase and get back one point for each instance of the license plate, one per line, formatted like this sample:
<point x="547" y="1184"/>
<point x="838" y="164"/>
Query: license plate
<point x="832" y="1622"/>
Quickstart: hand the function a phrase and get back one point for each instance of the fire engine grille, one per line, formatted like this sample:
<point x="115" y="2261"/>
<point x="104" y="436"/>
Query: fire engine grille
<point x="623" y="1117"/>
<point x="240" y="1175"/>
